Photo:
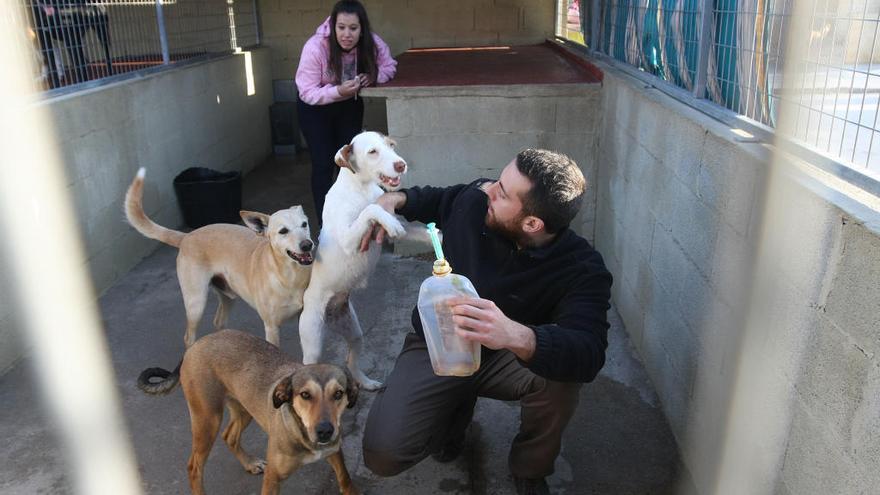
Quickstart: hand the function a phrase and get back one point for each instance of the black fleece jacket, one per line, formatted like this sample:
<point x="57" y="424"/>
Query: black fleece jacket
<point x="561" y="290"/>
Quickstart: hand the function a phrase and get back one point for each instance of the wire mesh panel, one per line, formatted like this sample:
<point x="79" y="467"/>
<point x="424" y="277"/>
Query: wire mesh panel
<point x="657" y="36"/>
<point x="81" y="40"/>
<point x="745" y="71"/>
<point x="735" y="56"/>
<point x="834" y="88"/>
<point x="197" y="27"/>
<point x="838" y="93"/>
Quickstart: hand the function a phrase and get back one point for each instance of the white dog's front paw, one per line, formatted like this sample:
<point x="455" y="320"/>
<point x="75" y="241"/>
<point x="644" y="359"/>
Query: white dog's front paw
<point x="394" y="229"/>
<point x="370" y="384"/>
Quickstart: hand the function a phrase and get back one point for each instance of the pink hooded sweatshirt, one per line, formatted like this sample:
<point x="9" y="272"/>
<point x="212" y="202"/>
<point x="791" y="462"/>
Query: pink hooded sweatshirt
<point x="314" y="78"/>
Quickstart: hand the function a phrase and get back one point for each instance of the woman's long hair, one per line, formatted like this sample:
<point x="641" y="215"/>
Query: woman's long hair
<point x="366" y="48"/>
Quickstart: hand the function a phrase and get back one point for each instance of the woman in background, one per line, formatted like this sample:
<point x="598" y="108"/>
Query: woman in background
<point x="342" y="57"/>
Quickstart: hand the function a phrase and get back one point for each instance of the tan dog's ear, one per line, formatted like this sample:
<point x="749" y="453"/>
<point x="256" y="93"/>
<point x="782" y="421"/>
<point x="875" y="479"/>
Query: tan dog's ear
<point x="352" y="389"/>
<point x="344" y="159"/>
<point x="256" y="221"/>
<point x="282" y="393"/>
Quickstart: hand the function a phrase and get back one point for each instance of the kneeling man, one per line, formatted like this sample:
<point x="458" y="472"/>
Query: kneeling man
<point x="541" y="319"/>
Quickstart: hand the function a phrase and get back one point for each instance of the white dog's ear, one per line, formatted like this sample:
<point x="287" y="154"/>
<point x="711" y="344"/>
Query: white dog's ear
<point x="256" y="221"/>
<point x="344" y="159"/>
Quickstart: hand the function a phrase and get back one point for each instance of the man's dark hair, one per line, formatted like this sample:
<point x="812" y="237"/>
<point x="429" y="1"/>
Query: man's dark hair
<point x="366" y="48"/>
<point x="557" y="187"/>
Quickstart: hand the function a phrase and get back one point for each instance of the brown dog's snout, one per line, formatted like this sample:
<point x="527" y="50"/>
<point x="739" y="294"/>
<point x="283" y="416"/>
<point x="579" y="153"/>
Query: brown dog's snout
<point x="306" y="245"/>
<point x="399" y="166"/>
<point x="324" y="430"/>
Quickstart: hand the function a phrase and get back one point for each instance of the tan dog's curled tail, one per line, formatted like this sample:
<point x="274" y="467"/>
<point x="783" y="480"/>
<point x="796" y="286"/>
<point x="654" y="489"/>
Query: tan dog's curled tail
<point x="168" y="380"/>
<point x="134" y="212"/>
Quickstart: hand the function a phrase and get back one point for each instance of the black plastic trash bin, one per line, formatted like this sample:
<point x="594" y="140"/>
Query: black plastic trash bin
<point x="207" y="196"/>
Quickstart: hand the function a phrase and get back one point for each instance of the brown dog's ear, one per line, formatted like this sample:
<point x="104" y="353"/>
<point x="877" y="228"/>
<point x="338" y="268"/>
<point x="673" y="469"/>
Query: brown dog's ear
<point x="256" y="221"/>
<point x="344" y="159"/>
<point x="283" y="392"/>
<point x="352" y="388"/>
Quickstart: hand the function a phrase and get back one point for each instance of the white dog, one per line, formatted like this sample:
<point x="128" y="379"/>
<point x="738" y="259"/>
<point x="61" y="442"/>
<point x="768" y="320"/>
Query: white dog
<point x="369" y="165"/>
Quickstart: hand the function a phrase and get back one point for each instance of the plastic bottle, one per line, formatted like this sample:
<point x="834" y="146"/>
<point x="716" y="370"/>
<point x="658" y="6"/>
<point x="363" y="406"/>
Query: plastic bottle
<point x="450" y="354"/>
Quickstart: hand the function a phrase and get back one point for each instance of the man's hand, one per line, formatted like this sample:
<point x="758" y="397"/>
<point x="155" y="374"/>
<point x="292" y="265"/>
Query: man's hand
<point x="390" y="202"/>
<point x="480" y="320"/>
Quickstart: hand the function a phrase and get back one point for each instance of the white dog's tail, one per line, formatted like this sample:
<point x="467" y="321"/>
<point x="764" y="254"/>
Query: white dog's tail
<point x="134" y="211"/>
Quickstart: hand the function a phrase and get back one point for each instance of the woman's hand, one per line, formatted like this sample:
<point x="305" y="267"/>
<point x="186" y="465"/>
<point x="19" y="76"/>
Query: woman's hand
<point x="365" y="80"/>
<point x="349" y="88"/>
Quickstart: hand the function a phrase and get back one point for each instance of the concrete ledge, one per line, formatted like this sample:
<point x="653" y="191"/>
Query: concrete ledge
<point x="517" y="91"/>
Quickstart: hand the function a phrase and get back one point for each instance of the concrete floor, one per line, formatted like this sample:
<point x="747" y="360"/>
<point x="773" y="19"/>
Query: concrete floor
<point x="618" y="442"/>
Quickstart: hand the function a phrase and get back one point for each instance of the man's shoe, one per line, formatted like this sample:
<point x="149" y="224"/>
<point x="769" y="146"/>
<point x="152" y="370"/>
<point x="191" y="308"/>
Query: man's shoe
<point x="526" y="486"/>
<point x="450" y="451"/>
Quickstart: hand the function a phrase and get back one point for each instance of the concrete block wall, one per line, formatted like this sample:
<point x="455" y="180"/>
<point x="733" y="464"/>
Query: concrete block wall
<point x="404" y="24"/>
<point x="752" y="298"/>
<point x="455" y="135"/>
<point x="196" y="115"/>
<point x="810" y="342"/>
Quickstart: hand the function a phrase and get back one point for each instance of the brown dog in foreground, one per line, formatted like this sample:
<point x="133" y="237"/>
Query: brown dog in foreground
<point x="270" y="270"/>
<point x="299" y="406"/>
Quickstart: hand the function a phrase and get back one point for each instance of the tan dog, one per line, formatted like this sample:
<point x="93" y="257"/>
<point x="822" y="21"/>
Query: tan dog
<point x="270" y="270"/>
<point x="300" y="407"/>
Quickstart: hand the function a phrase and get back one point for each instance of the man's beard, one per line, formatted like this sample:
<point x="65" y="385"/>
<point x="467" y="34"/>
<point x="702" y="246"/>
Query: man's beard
<point x="510" y="230"/>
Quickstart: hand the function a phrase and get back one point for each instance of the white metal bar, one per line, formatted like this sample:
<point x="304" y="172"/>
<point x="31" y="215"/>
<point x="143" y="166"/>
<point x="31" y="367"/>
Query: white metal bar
<point x="163" y="36"/>
<point x="56" y="301"/>
<point x="865" y="89"/>
<point x="812" y="107"/>
<point x="803" y="92"/>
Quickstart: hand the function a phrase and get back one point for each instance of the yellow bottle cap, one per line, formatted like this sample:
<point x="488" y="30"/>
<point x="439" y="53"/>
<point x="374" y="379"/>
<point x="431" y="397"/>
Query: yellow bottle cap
<point x="441" y="267"/>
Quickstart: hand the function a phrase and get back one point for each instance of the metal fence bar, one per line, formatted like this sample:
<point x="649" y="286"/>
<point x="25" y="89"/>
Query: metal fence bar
<point x="78" y="41"/>
<point x="163" y="35"/>
<point x="705" y="40"/>
<point x="595" y="35"/>
<point x="230" y="13"/>
<point x="811" y="107"/>
<point x="258" y="27"/>
<point x="865" y="88"/>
